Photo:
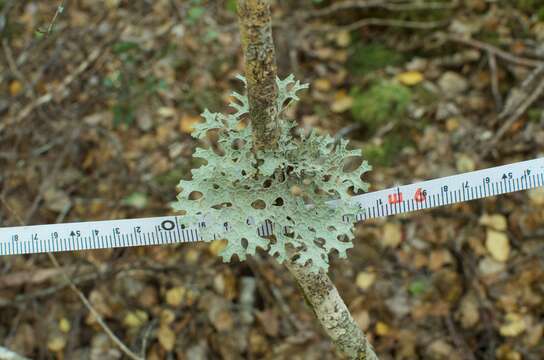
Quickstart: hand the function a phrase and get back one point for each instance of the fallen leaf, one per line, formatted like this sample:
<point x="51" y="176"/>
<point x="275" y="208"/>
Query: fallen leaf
<point x="382" y="328"/>
<point x="15" y="88"/>
<point x="342" y="102"/>
<point x="497" y="244"/>
<point x="495" y="221"/>
<point x="175" y="295"/>
<point x="392" y="235"/>
<point x="365" y="280"/>
<point x="269" y="321"/>
<point x="469" y="311"/>
<point x="410" y="78"/>
<point x="135" y="319"/>
<point x="187" y="122"/>
<point x="167" y="338"/>
<point x="56" y="343"/>
<point x="64" y="325"/>
<point x="514" y="325"/>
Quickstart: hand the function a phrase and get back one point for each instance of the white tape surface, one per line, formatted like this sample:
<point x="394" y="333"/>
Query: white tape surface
<point x="168" y="229"/>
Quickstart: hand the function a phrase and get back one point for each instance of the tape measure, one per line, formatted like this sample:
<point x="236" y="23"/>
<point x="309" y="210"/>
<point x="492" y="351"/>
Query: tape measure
<point x="447" y="190"/>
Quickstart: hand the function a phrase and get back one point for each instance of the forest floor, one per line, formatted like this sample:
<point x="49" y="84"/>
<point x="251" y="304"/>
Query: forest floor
<point x="97" y="103"/>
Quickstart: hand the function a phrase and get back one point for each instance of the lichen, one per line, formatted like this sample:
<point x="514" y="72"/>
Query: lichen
<point x="290" y="187"/>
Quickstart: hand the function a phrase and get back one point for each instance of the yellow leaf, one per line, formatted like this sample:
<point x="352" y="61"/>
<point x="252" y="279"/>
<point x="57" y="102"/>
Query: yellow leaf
<point x="514" y="326"/>
<point x="382" y="329"/>
<point x="410" y="78"/>
<point x="498" y="245"/>
<point x="342" y="102"/>
<point x="494" y="221"/>
<point x="64" y="325"/>
<point x="135" y="319"/>
<point x="15" y="88"/>
<point x="166" y="337"/>
<point x="392" y="235"/>
<point x="365" y="280"/>
<point x="175" y="296"/>
<point x="56" y="343"/>
<point x="187" y="122"/>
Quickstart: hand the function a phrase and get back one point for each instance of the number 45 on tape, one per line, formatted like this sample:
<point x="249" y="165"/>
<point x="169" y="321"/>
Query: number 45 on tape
<point x="447" y="190"/>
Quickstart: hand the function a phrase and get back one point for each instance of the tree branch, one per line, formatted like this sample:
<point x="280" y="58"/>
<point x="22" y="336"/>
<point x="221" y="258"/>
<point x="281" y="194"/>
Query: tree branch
<point x="260" y="65"/>
<point x="260" y="69"/>
<point x="332" y="312"/>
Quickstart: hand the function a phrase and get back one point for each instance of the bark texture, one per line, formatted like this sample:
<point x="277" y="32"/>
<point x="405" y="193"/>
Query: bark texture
<point x="260" y="70"/>
<point x="332" y="312"/>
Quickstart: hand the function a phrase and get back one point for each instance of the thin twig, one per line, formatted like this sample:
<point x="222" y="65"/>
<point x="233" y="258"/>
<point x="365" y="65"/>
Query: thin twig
<point x="418" y="25"/>
<point x="82" y="297"/>
<point x="60" y="9"/>
<point x="494" y="80"/>
<point x="494" y="50"/>
<point x="13" y="66"/>
<point x="378" y="4"/>
<point x="519" y="112"/>
<point x="93" y="311"/>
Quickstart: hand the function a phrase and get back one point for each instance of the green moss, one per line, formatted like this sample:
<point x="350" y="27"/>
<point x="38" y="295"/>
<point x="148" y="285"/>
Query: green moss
<point x="366" y="58"/>
<point x="384" y="101"/>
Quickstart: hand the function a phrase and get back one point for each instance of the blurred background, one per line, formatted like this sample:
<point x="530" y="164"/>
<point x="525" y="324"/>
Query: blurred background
<point x="97" y="103"/>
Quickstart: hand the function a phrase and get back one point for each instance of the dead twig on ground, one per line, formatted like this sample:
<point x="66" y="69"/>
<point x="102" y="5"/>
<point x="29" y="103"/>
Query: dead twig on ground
<point x="59" y="93"/>
<point x="519" y="100"/>
<point x="494" y="50"/>
<point x="83" y="298"/>
<point x="494" y="80"/>
<point x="378" y="4"/>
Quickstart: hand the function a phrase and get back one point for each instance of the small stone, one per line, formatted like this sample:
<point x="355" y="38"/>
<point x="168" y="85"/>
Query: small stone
<point x="452" y="84"/>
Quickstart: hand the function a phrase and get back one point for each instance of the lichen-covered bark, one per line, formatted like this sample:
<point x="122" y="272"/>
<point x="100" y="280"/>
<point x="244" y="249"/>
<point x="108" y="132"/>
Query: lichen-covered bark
<point x="332" y="312"/>
<point x="260" y="70"/>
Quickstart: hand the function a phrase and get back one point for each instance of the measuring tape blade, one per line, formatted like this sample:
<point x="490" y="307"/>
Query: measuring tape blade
<point x="447" y="190"/>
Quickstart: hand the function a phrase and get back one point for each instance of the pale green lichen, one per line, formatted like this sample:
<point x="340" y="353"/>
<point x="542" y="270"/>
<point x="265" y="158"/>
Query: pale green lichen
<point x="290" y="187"/>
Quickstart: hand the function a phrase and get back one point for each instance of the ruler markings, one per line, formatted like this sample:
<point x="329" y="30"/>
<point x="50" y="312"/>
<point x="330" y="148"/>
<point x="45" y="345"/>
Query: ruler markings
<point x="169" y="229"/>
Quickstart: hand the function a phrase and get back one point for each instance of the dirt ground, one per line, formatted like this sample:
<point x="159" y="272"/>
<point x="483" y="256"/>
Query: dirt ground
<point x="97" y="103"/>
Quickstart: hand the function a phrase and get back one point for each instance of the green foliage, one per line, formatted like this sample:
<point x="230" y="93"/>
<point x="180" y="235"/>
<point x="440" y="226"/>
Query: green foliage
<point x="289" y="187"/>
<point x="417" y="287"/>
<point x="384" y="101"/>
<point x="366" y="58"/>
